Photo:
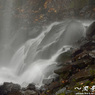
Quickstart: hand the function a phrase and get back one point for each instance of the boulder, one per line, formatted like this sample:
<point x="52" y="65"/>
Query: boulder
<point x="54" y="85"/>
<point x="90" y="31"/>
<point x="31" y="86"/>
<point x="64" y="69"/>
<point x="9" y="87"/>
<point x="47" y="81"/>
<point x="64" y="57"/>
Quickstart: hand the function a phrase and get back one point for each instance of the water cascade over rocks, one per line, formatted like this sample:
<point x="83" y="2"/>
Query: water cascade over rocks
<point x="35" y="60"/>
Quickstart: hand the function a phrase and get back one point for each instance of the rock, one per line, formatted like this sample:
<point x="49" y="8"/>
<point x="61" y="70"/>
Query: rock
<point x="90" y="31"/>
<point x="63" y="70"/>
<point x="83" y="55"/>
<point x="88" y="15"/>
<point x="31" y="87"/>
<point x="64" y="57"/>
<point x="93" y="37"/>
<point x="92" y="54"/>
<point x="68" y="92"/>
<point x="84" y="74"/>
<point x="80" y="64"/>
<point x="88" y="46"/>
<point x="76" y="52"/>
<point x="54" y="85"/>
<point x="84" y="9"/>
<point x="47" y="81"/>
<point x="9" y="87"/>
<point x="43" y="88"/>
<point x="30" y="92"/>
<point x="54" y="76"/>
<point x="60" y="91"/>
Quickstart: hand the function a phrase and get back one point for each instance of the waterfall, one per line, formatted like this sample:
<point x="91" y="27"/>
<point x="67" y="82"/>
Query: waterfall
<point x="35" y="59"/>
<point x="31" y="59"/>
<point x="6" y="30"/>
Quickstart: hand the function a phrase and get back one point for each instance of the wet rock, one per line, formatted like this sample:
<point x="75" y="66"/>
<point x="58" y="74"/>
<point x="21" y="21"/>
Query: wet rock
<point x="81" y="56"/>
<point x="9" y="87"/>
<point x="43" y="88"/>
<point x="92" y="54"/>
<point x="60" y="91"/>
<point x="48" y="81"/>
<point x="84" y="74"/>
<point x="30" y="92"/>
<point x="88" y="46"/>
<point x="76" y="52"/>
<point x="64" y="69"/>
<point x="54" y="77"/>
<point x="90" y="31"/>
<point x="88" y="15"/>
<point x="84" y="9"/>
<point x="84" y="81"/>
<point x="64" y="57"/>
<point x="54" y="85"/>
<point x="31" y="87"/>
<point x="80" y="64"/>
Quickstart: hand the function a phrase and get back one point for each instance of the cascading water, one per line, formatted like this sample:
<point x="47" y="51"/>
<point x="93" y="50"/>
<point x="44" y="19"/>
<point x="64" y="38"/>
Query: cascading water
<point x="35" y="59"/>
<point x="6" y="29"/>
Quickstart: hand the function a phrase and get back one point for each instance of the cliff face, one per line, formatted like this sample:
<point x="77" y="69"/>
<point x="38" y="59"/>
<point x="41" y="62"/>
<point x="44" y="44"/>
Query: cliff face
<point x="51" y="10"/>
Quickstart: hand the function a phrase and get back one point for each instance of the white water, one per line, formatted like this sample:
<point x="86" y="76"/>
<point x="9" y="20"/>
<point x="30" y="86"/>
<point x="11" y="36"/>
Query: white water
<point x="35" y="59"/>
<point x="28" y="65"/>
<point x="6" y="30"/>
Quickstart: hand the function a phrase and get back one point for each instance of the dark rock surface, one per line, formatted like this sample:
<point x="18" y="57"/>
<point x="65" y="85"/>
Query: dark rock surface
<point x="8" y="88"/>
<point x="91" y="32"/>
<point x="31" y="87"/>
